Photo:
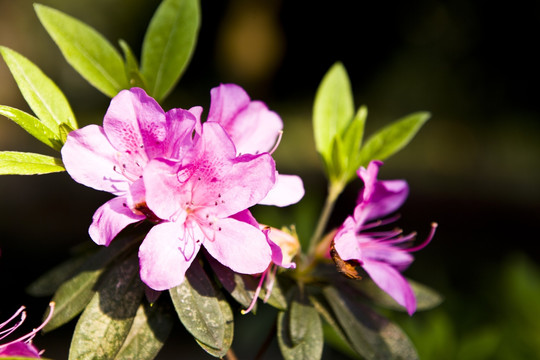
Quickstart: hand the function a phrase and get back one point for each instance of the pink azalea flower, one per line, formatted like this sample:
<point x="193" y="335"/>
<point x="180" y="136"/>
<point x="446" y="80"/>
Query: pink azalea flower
<point x="254" y="129"/>
<point x="112" y="158"/>
<point x="381" y="254"/>
<point x="21" y="347"/>
<point x="203" y="200"/>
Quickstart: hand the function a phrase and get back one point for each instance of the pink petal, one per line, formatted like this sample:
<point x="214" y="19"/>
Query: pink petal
<point x="90" y="160"/>
<point x="110" y="219"/>
<point x="135" y="123"/>
<point x="392" y="282"/>
<point x="240" y="246"/>
<point x="180" y="126"/>
<point x="19" y="349"/>
<point x="346" y="243"/>
<point x="288" y="190"/>
<point x="167" y="252"/>
<point x="251" y="125"/>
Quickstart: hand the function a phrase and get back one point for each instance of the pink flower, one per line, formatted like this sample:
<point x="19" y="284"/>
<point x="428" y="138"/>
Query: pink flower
<point x="381" y="254"/>
<point x="203" y="200"/>
<point x="254" y="129"/>
<point x="21" y="347"/>
<point x="112" y="158"/>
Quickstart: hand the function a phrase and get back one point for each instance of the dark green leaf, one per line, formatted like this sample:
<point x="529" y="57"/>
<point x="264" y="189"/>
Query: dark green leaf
<point x="426" y="298"/>
<point x="49" y="282"/>
<point x="352" y="142"/>
<point x="148" y="333"/>
<point x="300" y="334"/>
<point x="169" y="44"/>
<point x="106" y="321"/>
<point x="392" y="138"/>
<point x="203" y="311"/>
<point x="133" y="74"/>
<point x="40" y="92"/>
<point x="73" y="295"/>
<point x="370" y="334"/>
<point x="277" y="296"/>
<point x="333" y="109"/>
<point x="33" y="126"/>
<point x="19" y="163"/>
<point x="328" y="316"/>
<point x="86" y="50"/>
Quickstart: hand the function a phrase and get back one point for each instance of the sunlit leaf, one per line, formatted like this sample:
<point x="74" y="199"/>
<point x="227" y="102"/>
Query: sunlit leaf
<point x="203" y="311"/>
<point x="86" y="50"/>
<point x="370" y="334"/>
<point x="169" y="44"/>
<point x="42" y="95"/>
<point x="106" y="321"/>
<point x="22" y="163"/>
<point x="134" y="76"/>
<point x="300" y="334"/>
<point x="149" y="330"/>
<point x="333" y="109"/>
<point x="73" y="295"/>
<point x="352" y="142"/>
<point x="33" y="126"/>
<point x="392" y="138"/>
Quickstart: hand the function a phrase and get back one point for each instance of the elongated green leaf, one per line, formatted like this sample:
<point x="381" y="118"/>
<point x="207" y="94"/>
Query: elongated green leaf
<point x="73" y="295"/>
<point x="20" y="163"/>
<point x="370" y="334"/>
<point x="134" y="76"/>
<point x="333" y="109"/>
<point x="392" y="138"/>
<point x="86" y="50"/>
<point x="105" y="323"/>
<point x="147" y="334"/>
<point x="300" y="334"/>
<point x="325" y="313"/>
<point x="49" y="282"/>
<point x="42" y="95"/>
<point x="169" y="44"/>
<point x="199" y="307"/>
<point x="33" y="126"/>
<point x="352" y="142"/>
<point x="426" y="298"/>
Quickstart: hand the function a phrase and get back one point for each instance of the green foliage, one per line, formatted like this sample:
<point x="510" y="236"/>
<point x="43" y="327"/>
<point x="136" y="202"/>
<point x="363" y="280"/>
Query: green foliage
<point x="86" y="50"/>
<point x="169" y="44"/>
<point x="19" y="163"/>
<point x="300" y="334"/>
<point x="204" y="311"/>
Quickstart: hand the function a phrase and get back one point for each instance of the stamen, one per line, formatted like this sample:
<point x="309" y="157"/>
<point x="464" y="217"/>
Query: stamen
<point x="33" y="333"/>
<point x="427" y="241"/>
<point x="280" y="134"/>
<point x="256" y="295"/>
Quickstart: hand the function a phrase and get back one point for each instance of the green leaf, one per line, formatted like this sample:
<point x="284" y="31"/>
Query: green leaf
<point x="371" y="335"/>
<point x="151" y="327"/>
<point x="134" y="76"/>
<point x="300" y="334"/>
<point x="277" y="296"/>
<point x="333" y="109"/>
<point x="33" y="126"/>
<point x="73" y="295"/>
<point x="86" y="50"/>
<point x="45" y="99"/>
<point x="105" y="323"/>
<point x="426" y="298"/>
<point x="392" y="138"/>
<point x="49" y="282"/>
<point x="352" y="142"/>
<point x="22" y="163"/>
<point x="169" y="44"/>
<point x="203" y="311"/>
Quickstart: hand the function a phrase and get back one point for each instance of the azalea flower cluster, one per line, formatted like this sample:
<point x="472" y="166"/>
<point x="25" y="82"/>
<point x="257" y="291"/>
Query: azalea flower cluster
<point x="382" y="254"/>
<point x="194" y="181"/>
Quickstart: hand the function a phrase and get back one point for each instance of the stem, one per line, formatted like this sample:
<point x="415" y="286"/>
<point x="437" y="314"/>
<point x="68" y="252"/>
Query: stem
<point x="230" y="355"/>
<point x="267" y="342"/>
<point x="334" y="190"/>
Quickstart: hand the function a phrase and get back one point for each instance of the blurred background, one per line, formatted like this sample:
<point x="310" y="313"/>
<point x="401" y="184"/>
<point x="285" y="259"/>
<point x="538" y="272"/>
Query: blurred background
<point x="474" y="168"/>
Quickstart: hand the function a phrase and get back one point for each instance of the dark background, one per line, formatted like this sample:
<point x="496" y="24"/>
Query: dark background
<point x="473" y="168"/>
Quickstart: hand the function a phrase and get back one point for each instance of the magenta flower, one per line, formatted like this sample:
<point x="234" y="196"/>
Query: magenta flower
<point x="112" y="158"/>
<point x="203" y="200"/>
<point x="254" y="129"/>
<point x="381" y="254"/>
<point x="22" y="346"/>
